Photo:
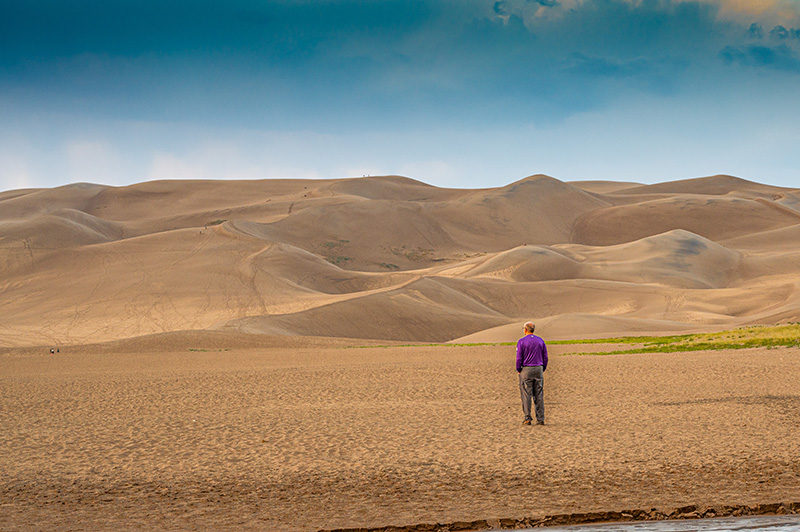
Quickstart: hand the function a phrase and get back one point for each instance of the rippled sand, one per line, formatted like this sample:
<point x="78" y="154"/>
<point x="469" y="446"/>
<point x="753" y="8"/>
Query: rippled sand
<point x="309" y="438"/>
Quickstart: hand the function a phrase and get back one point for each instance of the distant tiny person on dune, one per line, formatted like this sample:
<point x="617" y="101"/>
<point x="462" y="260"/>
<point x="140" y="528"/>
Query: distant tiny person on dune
<point x="531" y="365"/>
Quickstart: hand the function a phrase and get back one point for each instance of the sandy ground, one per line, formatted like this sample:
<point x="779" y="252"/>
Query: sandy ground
<point x="320" y="438"/>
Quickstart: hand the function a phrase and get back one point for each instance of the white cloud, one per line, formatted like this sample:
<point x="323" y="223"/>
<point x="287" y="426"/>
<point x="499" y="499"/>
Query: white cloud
<point x="169" y="166"/>
<point x="92" y="161"/>
<point x="14" y="173"/>
<point x="772" y="11"/>
<point x="250" y="155"/>
<point x="431" y="172"/>
<point x="364" y="170"/>
<point x="743" y="11"/>
<point x="15" y="168"/>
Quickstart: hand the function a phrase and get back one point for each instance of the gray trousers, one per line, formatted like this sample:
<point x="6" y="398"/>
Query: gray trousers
<point x="531" y="386"/>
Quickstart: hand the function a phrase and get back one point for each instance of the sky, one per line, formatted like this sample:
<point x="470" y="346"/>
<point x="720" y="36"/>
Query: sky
<point x="454" y="93"/>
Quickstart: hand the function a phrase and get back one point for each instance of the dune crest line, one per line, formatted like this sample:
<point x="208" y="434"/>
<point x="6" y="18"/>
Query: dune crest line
<point x="392" y="258"/>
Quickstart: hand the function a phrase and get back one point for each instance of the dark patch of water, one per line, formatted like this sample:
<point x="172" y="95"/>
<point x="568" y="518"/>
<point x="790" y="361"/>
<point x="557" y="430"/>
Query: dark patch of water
<point x="777" y="523"/>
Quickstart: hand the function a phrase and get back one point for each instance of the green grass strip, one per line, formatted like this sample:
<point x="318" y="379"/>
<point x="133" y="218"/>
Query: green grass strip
<point x="741" y="338"/>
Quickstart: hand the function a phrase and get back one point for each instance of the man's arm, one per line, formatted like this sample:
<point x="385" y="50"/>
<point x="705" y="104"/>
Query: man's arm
<point x="519" y="358"/>
<point x="544" y="356"/>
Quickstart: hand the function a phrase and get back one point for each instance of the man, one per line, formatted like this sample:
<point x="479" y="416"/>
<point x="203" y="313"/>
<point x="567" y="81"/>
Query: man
<point x="531" y="365"/>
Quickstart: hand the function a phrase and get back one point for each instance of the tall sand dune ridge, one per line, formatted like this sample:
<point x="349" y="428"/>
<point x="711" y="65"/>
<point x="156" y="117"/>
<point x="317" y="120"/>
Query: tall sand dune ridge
<point x="393" y="259"/>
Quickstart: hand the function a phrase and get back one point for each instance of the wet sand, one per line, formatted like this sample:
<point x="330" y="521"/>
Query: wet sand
<point x="323" y="438"/>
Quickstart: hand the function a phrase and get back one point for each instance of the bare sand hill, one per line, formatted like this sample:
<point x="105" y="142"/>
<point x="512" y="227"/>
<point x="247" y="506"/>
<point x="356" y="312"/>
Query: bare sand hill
<point x="391" y="258"/>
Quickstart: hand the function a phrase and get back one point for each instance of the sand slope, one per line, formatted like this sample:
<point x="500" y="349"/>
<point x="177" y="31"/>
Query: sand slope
<point x="391" y="258"/>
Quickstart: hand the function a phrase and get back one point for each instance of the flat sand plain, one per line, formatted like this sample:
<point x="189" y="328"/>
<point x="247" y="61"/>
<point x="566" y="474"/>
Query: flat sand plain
<point x="323" y="437"/>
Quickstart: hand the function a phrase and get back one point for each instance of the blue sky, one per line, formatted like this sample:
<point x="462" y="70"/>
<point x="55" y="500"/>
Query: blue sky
<point x="456" y="93"/>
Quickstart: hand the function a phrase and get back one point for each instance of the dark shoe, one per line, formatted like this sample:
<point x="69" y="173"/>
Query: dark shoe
<point x="526" y="422"/>
<point x="540" y="422"/>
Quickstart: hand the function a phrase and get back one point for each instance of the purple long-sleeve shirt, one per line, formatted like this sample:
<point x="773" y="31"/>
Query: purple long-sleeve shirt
<point x="531" y="351"/>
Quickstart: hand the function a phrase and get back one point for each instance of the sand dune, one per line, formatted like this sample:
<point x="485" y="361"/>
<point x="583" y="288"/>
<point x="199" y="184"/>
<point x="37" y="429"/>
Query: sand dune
<point x="582" y="326"/>
<point x="425" y="310"/>
<point x="675" y="258"/>
<point x="718" y="185"/>
<point x="392" y="258"/>
<point x="602" y="187"/>
<point x="780" y="240"/>
<point x="525" y="263"/>
<point x="715" y="218"/>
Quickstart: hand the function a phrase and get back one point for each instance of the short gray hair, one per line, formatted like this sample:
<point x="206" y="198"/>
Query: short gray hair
<point x="530" y="326"/>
